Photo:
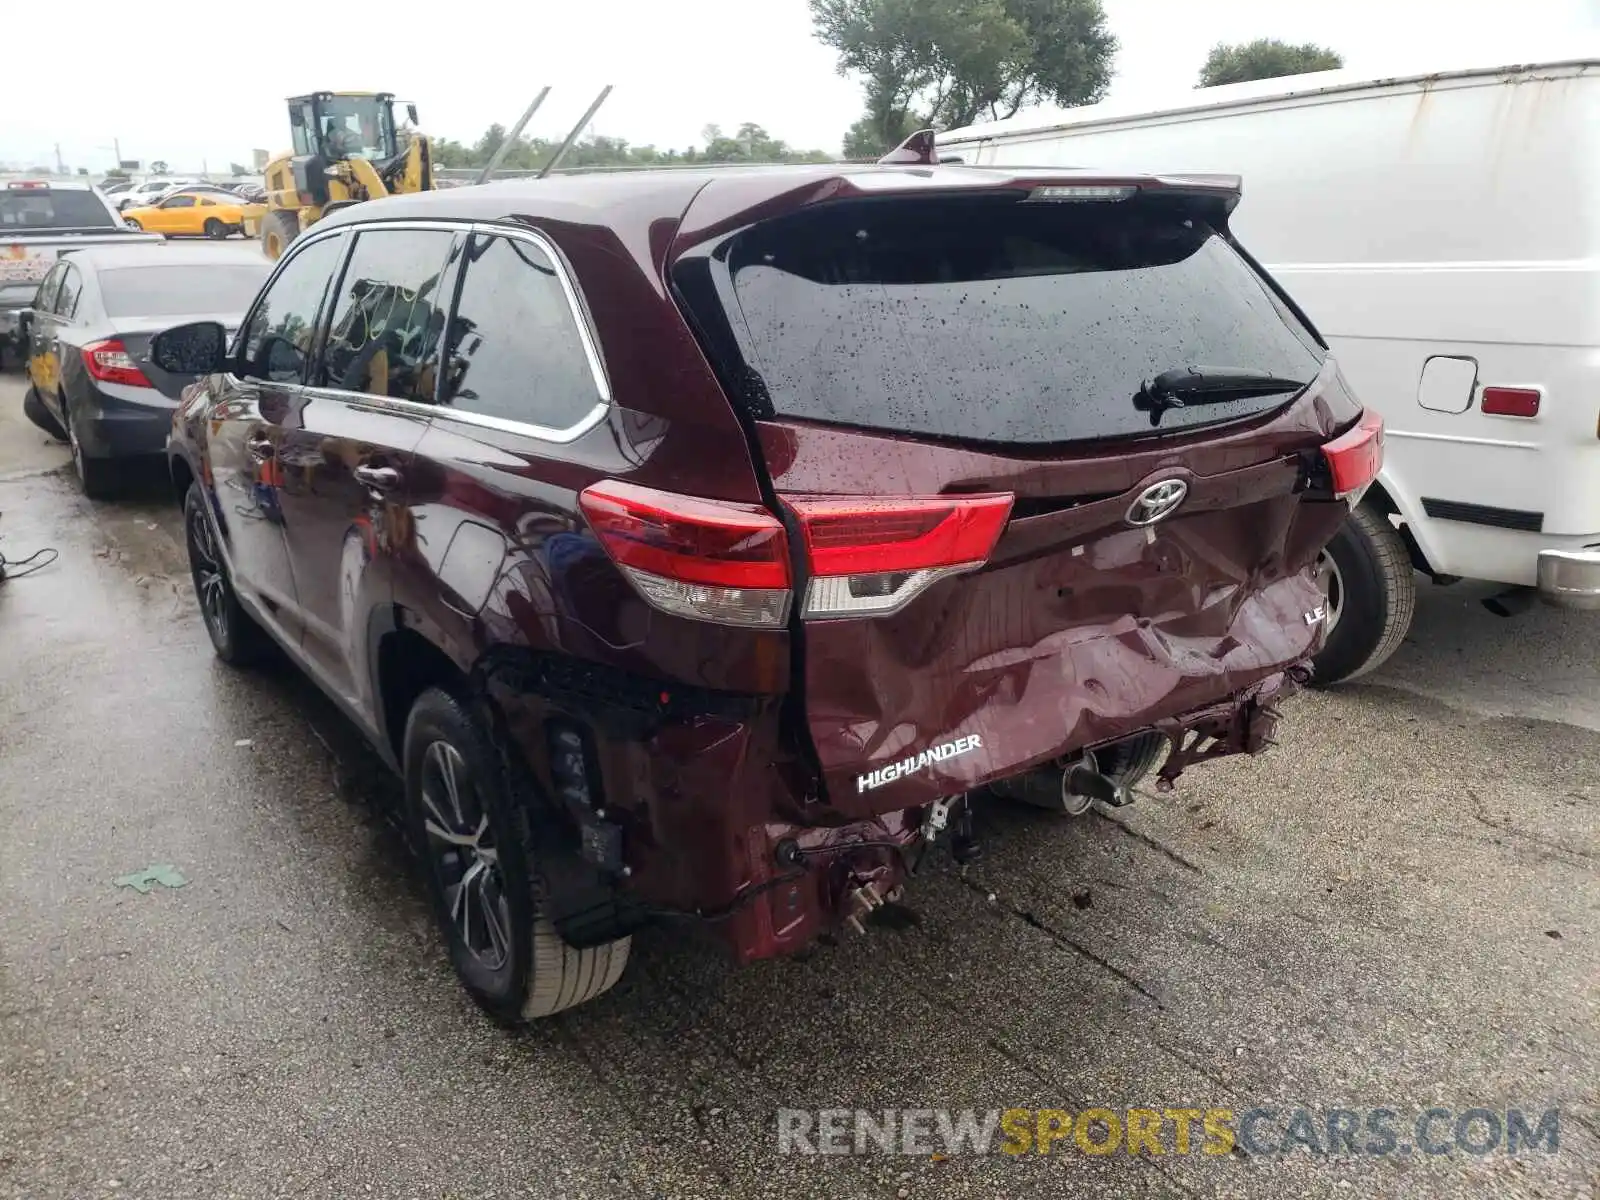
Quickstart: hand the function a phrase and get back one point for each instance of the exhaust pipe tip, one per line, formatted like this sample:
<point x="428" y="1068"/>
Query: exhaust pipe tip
<point x="1512" y="602"/>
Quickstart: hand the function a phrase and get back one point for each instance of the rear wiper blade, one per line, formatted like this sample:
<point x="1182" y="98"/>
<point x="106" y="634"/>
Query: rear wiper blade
<point x="1183" y="386"/>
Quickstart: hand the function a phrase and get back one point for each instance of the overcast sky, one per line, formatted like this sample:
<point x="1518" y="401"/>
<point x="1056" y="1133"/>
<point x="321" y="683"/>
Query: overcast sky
<point x="169" y="90"/>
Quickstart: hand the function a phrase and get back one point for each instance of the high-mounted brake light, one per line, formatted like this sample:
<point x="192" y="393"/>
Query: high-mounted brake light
<point x="1510" y="401"/>
<point x="873" y="556"/>
<point x="28" y="185"/>
<point x="110" y="362"/>
<point x="1081" y="192"/>
<point x="1355" y="458"/>
<point x="709" y="559"/>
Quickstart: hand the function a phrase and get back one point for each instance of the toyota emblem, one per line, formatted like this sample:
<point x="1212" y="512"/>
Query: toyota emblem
<point x="1157" y="501"/>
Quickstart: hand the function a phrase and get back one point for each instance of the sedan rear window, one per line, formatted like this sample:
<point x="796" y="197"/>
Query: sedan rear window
<point x="1000" y="320"/>
<point x="40" y="208"/>
<point x="182" y="290"/>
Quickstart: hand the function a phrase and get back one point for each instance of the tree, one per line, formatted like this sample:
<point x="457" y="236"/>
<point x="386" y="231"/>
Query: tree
<point x="159" y="167"/>
<point x="947" y="63"/>
<point x="749" y="143"/>
<point x="238" y="170"/>
<point x="1265" y="58"/>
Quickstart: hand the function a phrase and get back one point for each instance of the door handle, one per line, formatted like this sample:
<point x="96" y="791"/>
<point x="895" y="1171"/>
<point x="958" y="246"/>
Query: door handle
<point x="379" y="479"/>
<point x="260" y="447"/>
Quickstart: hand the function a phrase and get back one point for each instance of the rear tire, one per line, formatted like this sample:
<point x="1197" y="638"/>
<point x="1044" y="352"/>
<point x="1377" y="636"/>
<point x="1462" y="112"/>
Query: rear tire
<point x="97" y="476"/>
<point x="33" y="408"/>
<point x="1371" y="591"/>
<point x="215" y="229"/>
<point x="483" y="876"/>
<point x="238" y="640"/>
<point x="133" y="222"/>
<point x="278" y="229"/>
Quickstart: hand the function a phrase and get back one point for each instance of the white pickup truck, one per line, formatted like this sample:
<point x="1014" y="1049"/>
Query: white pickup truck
<point x="38" y="220"/>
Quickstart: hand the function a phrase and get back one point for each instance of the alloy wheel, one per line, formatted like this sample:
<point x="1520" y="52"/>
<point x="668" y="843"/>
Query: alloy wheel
<point x="1331" y="580"/>
<point x="461" y="849"/>
<point x="210" y="585"/>
<point x="72" y="440"/>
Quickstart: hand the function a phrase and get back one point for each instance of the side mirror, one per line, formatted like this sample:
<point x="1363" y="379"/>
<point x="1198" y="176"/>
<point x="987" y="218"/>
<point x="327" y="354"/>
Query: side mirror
<point x="200" y="348"/>
<point x="24" y="321"/>
<point x="411" y="111"/>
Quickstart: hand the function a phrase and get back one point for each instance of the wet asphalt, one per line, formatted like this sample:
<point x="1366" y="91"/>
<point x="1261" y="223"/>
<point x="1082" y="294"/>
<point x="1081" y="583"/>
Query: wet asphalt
<point x="1397" y="907"/>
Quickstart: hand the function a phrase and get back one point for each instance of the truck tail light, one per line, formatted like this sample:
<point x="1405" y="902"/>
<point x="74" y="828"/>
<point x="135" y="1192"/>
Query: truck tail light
<point x="1510" y="401"/>
<point x="1355" y="458"/>
<point x="720" y="561"/>
<point x="710" y="559"/>
<point x="872" y="556"/>
<point x="110" y="362"/>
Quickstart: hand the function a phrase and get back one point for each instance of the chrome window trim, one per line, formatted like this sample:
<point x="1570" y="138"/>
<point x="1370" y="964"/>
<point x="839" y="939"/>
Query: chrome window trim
<point x="559" y="437"/>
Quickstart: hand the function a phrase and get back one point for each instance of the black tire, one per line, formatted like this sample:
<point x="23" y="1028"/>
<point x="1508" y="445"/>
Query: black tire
<point x="215" y="229"/>
<point x="1371" y="596"/>
<point x="238" y="640"/>
<point x="98" y="477"/>
<point x="278" y="229"/>
<point x="527" y="971"/>
<point x="33" y="408"/>
<point x="1130" y="761"/>
<point x="132" y="221"/>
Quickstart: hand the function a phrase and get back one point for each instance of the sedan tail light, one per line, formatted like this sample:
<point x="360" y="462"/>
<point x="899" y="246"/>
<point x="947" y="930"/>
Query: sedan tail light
<point x="727" y="562"/>
<point x="1354" y="458"/>
<point x="110" y="362"/>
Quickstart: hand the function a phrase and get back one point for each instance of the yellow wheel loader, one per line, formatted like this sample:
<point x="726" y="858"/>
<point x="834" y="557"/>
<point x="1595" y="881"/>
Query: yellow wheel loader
<point x="347" y="148"/>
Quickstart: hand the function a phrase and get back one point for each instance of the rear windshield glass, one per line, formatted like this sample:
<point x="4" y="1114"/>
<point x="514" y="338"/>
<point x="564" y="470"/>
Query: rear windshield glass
<point x="1002" y="321"/>
<point x="40" y="209"/>
<point x="221" y="289"/>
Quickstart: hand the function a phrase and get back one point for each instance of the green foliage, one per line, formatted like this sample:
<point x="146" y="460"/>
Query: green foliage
<point x="749" y="143"/>
<point x="948" y="63"/>
<point x="1265" y="58"/>
<point x="159" y="167"/>
<point x="238" y="169"/>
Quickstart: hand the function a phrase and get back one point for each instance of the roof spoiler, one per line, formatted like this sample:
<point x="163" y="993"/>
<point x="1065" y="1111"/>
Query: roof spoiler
<point x="916" y="151"/>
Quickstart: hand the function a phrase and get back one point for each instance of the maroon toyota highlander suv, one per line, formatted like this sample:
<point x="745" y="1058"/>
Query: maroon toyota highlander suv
<point x="704" y="543"/>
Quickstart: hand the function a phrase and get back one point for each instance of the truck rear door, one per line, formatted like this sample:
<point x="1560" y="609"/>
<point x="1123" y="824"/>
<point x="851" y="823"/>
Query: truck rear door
<point x="1007" y="541"/>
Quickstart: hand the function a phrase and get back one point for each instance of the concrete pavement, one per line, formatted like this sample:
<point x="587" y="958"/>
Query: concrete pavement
<point x="1397" y="907"/>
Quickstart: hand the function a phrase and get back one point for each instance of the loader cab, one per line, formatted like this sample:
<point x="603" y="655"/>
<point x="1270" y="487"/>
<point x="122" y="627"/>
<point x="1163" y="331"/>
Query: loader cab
<point x="336" y="126"/>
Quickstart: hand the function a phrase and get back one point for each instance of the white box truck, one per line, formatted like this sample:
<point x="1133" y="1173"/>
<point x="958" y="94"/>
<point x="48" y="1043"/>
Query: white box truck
<point x="1443" y="232"/>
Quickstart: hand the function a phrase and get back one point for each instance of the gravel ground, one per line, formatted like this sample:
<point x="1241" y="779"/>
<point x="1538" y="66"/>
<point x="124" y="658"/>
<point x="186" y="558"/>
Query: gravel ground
<point x="1397" y="907"/>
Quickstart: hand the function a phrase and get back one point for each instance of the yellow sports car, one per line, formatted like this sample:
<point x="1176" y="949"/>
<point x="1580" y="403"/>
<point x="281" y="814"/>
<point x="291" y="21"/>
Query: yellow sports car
<point x="198" y="212"/>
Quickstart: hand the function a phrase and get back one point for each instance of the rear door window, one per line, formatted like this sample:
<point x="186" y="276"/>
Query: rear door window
<point x="517" y="351"/>
<point x="67" y="298"/>
<point x="999" y="320"/>
<point x="388" y="319"/>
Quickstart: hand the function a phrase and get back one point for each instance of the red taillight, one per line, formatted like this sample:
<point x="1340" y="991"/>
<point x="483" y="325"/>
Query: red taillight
<point x="871" y="556"/>
<point x="1355" y="458"/>
<point x="110" y="362"/>
<point x="1510" y="402"/>
<point x="710" y="559"/>
<point x="721" y="561"/>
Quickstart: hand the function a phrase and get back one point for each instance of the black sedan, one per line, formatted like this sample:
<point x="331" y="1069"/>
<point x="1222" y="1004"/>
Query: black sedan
<point x="89" y="380"/>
